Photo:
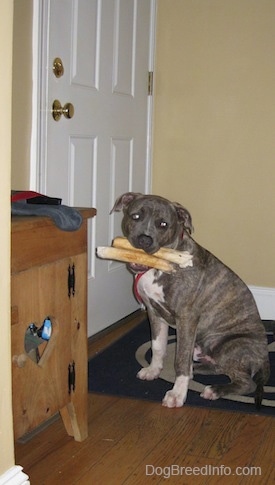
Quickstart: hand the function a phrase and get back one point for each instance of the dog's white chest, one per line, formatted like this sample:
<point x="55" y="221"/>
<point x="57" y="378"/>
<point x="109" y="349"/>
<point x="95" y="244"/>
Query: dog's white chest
<point x="149" y="289"/>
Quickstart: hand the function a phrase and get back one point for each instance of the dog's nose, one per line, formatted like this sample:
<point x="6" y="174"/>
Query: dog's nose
<point x="145" y="242"/>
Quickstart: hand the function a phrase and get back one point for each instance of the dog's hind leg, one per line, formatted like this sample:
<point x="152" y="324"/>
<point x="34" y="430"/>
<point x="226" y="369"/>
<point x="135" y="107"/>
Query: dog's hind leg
<point x="205" y="369"/>
<point x="242" y="384"/>
<point x="159" y="330"/>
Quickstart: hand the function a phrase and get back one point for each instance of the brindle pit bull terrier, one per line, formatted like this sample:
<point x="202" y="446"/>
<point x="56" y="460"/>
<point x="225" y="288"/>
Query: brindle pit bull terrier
<point x="217" y="322"/>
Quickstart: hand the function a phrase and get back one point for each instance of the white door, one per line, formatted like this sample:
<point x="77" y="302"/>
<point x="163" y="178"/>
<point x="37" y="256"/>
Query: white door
<point x="102" y="151"/>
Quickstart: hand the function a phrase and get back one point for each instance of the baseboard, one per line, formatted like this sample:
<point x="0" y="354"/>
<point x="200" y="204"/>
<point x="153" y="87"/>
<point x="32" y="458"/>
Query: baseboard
<point x="265" y="301"/>
<point x="14" y="476"/>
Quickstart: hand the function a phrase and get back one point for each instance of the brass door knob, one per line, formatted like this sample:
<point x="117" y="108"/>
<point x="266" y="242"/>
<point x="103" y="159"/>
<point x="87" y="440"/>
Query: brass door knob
<point x="57" y="110"/>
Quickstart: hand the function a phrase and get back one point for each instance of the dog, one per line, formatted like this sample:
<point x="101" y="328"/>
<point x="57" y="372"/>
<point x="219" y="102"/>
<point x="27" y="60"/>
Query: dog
<point x="218" y="327"/>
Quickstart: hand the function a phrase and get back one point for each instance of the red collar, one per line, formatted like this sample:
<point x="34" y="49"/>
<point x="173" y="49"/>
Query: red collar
<point x="136" y="292"/>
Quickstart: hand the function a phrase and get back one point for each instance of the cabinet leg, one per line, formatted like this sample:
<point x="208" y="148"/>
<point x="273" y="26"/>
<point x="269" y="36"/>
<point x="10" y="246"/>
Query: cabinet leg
<point x="75" y="424"/>
<point x="65" y="415"/>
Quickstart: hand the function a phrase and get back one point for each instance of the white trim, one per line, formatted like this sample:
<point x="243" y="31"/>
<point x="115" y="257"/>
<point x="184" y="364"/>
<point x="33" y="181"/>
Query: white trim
<point x="265" y="301"/>
<point x="14" y="476"/>
<point x="149" y="154"/>
<point x="36" y="86"/>
<point x="39" y="92"/>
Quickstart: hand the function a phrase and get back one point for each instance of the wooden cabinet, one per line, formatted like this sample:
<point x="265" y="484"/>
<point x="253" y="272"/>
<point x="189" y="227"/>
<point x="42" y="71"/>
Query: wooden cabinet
<point x="49" y="280"/>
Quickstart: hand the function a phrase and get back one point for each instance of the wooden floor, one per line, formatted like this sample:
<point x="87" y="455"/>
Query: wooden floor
<point x="129" y="437"/>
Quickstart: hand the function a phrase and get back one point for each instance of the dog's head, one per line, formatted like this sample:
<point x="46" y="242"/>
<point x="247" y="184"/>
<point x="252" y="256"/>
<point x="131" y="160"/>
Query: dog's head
<point x="151" y="222"/>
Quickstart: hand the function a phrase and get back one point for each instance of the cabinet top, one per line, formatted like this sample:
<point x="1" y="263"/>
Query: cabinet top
<point x="19" y="223"/>
<point x="37" y="240"/>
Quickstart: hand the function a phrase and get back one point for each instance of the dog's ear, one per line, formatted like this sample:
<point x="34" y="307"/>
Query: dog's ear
<point x="124" y="200"/>
<point x="184" y="217"/>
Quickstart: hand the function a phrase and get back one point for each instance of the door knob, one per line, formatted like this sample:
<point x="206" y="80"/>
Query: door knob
<point x="57" y="110"/>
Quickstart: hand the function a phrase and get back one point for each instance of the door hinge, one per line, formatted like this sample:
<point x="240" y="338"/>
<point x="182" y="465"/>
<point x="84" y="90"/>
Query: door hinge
<point x="71" y="377"/>
<point x="150" y="83"/>
<point x="71" y="280"/>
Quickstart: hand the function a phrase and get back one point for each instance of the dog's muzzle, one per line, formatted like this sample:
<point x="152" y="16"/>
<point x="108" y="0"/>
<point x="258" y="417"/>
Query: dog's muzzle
<point x="145" y="242"/>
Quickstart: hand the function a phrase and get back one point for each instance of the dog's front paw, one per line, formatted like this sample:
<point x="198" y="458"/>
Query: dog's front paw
<point x="173" y="400"/>
<point x="176" y="397"/>
<point x="148" y="373"/>
<point x="209" y="393"/>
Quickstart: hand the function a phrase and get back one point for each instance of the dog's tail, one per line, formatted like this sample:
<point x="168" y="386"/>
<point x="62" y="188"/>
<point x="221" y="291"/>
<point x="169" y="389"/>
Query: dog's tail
<point x="260" y="378"/>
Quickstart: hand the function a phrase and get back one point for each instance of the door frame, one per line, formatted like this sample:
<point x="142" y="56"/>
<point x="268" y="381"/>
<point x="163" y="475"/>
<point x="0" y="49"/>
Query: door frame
<point x="39" y="93"/>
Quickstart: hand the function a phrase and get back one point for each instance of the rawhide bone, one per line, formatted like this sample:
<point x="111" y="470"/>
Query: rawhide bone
<point x="134" y="256"/>
<point x="122" y="250"/>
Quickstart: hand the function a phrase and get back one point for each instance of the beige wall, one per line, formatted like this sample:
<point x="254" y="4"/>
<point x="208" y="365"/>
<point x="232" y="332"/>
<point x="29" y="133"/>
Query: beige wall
<point x="22" y="94"/>
<point x="6" y="429"/>
<point x="214" y="138"/>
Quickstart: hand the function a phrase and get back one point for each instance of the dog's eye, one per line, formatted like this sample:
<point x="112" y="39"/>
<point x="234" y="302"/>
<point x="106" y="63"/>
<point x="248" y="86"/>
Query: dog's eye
<point x="163" y="224"/>
<point x="135" y="217"/>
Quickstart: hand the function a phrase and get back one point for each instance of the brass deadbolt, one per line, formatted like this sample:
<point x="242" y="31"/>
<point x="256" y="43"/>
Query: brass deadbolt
<point x="58" y="68"/>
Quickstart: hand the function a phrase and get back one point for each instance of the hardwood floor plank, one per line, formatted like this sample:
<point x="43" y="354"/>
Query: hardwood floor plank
<point x="265" y="452"/>
<point x="136" y="445"/>
<point x="107" y="430"/>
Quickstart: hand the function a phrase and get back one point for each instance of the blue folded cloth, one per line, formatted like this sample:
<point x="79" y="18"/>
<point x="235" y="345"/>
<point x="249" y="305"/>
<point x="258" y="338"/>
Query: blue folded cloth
<point x="64" y="217"/>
